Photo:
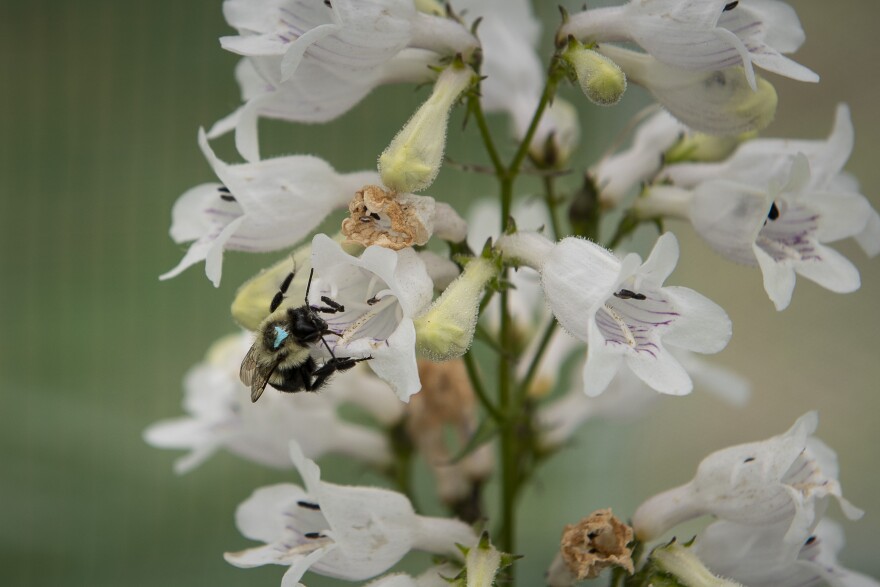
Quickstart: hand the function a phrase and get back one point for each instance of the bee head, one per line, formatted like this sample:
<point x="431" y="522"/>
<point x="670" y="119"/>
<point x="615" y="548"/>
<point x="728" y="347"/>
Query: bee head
<point x="305" y="325"/>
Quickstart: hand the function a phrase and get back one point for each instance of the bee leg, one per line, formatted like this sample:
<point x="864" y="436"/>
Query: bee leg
<point x="332" y="366"/>
<point x="279" y="295"/>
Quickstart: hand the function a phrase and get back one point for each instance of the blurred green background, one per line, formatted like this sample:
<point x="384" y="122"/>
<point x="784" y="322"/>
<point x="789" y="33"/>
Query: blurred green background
<point x="99" y="108"/>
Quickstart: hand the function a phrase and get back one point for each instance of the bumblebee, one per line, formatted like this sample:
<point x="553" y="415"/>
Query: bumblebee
<point x="281" y="354"/>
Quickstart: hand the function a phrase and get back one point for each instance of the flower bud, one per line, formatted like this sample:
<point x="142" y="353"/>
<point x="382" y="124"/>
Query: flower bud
<point x="601" y="80"/>
<point x="689" y="571"/>
<point x="413" y="159"/>
<point x="446" y="330"/>
<point x="482" y="563"/>
<point x="703" y="148"/>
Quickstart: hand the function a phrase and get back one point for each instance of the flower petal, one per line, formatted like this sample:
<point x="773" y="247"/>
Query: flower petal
<point x="576" y="276"/>
<point x="660" y="263"/>
<point x="261" y="516"/>
<point x="831" y="270"/>
<point x="701" y="325"/>
<point x="779" y="278"/>
<point x="394" y="360"/>
<point x="602" y="364"/>
<point x="661" y="371"/>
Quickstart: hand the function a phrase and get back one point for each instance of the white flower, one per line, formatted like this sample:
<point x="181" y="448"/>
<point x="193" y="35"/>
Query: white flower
<point x="761" y="162"/>
<point x="312" y="61"/>
<point x="719" y="102"/>
<point x="258" y="207"/>
<point x="702" y="35"/>
<point x="759" y="557"/>
<point x="780" y="229"/>
<point x="785" y="478"/>
<point x="382" y="291"/>
<point x="221" y="415"/>
<point x="351" y="533"/>
<point x="623" y="312"/>
<point x="628" y="397"/>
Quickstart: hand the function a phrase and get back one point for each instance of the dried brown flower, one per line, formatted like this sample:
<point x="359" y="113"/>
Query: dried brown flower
<point x="595" y="543"/>
<point x="388" y="219"/>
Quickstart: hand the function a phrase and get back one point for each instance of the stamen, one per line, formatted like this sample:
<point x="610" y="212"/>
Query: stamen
<point x="626" y="294"/>
<point x="774" y="212"/>
<point x="730" y="6"/>
<point x="308" y="505"/>
<point x="363" y="319"/>
<point x="627" y="333"/>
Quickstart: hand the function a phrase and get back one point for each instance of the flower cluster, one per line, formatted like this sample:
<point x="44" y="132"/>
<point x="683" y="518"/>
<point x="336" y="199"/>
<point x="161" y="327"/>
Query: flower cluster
<point x="385" y="314"/>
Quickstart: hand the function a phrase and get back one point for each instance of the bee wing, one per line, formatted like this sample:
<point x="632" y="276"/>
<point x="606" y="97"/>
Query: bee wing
<point x="255" y="374"/>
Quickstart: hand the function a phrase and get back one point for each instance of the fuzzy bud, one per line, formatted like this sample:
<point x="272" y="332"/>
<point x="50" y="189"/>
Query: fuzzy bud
<point x="413" y="159"/>
<point x="601" y="80"/>
<point x="446" y="330"/>
<point x="704" y="148"/>
<point x="681" y="562"/>
<point x="482" y="563"/>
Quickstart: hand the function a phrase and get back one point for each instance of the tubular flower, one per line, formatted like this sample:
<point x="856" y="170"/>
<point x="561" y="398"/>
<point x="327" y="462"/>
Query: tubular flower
<point x="258" y="207"/>
<point x="221" y="416"/>
<point x="313" y="61"/>
<point x="351" y="533"/>
<point x="785" y="478"/>
<point x="760" y="162"/>
<point x="759" y="557"/>
<point x="622" y="311"/>
<point x="719" y="102"/>
<point x="702" y="35"/>
<point x="780" y="229"/>
<point x="381" y="292"/>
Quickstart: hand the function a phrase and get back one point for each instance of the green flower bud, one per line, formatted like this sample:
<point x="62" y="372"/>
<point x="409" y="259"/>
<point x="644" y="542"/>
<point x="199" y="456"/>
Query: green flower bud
<point x="601" y="80"/>
<point x="680" y="561"/>
<point x="703" y="148"/>
<point x="413" y="159"/>
<point x="446" y="330"/>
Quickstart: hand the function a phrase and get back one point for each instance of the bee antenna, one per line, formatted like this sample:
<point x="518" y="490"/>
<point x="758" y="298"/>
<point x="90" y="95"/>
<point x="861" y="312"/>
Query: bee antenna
<point x="309" y="286"/>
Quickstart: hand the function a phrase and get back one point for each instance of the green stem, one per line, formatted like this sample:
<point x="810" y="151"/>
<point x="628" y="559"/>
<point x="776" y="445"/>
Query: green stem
<point x="536" y="360"/>
<point x="479" y="389"/>
<point x="550" y="199"/>
<point x="546" y="96"/>
<point x="477" y="110"/>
